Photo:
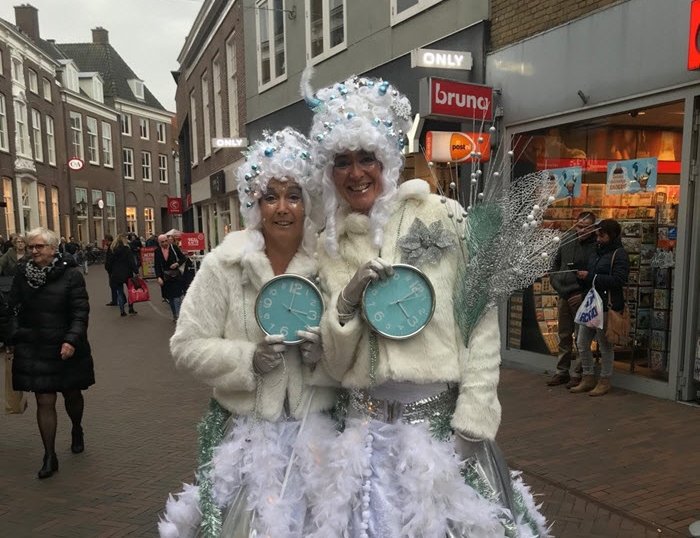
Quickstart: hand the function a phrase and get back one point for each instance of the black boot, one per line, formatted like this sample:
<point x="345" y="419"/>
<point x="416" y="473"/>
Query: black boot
<point x="131" y="309"/>
<point x="50" y="465"/>
<point x="77" y="444"/>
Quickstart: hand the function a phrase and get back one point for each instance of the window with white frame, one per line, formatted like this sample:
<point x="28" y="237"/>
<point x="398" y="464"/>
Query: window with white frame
<point x="149" y="221"/>
<point x="125" y="120"/>
<point x="8" y="197"/>
<point x="16" y="68"/>
<point x="218" y="98"/>
<point x="111" y="213"/>
<point x="405" y="9"/>
<point x="70" y="78"/>
<point x="131" y="221"/>
<point x="4" y="137"/>
<point x="43" y="212"/>
<point x="163" y="168"/>
<point x="98" y="230"/>
<point x="128" y="163"/>
<point x="47" y="89"/>
<point x="325" y="28"/>
<point x="193" y="127"/>
<point x="36" y="136"/>
<point x="160" y="131"/>
<point x="76" y="135"/>
<point x="146" y="166"/>
<point x="50" y="141"/>
<point x="143" y="128"/>
<point x="93" y="148"/>
<point x="206" y="111"/>
<point x="107" y="159"/>
<point x="137" y="87"/>
<point x="33" y="80"/>
<point x="21" y="130"/>
<point x="270" y="44"/>
<point x="55" y="217"/>
<point x="232" y="85"/>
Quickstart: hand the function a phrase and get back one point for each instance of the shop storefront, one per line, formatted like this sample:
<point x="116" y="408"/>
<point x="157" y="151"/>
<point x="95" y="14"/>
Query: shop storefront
<point x="622" y="147"/>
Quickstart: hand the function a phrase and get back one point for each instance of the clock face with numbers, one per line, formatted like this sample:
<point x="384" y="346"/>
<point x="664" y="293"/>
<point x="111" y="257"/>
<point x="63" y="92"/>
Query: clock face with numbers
<point x="400" y="306"/>
<point x="287" y="304"/>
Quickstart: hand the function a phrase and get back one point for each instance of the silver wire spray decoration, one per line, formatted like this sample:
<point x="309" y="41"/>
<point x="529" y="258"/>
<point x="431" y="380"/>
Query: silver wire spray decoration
<point x="503" y="244"/>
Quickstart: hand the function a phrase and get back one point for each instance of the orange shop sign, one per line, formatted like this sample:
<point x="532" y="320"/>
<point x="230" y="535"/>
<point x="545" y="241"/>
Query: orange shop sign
<point x="457" y="147"/>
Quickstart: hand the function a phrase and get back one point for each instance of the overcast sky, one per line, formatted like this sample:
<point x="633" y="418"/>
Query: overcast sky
<point x="148" y="34"/>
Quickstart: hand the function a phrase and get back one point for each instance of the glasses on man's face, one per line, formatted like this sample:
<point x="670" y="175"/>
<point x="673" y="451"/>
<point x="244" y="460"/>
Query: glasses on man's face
<point x="38" y="246"/>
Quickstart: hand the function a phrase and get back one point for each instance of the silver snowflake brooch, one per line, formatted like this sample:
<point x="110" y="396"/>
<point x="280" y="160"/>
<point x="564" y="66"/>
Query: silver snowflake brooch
<point x="425" y="245"/>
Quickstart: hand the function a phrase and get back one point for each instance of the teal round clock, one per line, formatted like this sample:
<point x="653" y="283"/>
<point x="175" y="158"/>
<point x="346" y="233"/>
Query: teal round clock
<point x="287" y="304"/>
<point x="400" y="306"/>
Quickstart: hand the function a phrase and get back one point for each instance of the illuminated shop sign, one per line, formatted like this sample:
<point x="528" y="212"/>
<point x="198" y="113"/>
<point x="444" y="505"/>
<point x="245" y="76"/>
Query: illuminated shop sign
<point x="441" y="59"/>
<point x="456" y="147"/>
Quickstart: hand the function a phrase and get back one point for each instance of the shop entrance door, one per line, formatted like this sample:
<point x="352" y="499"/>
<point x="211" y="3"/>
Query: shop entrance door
<point x="689" y="366"/>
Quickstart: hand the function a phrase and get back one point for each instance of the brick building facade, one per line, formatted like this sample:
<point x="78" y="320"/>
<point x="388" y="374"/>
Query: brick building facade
<point x="210" y="102"/>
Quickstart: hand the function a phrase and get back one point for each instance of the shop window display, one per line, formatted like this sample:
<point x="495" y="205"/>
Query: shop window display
<point x="643" y="149"/>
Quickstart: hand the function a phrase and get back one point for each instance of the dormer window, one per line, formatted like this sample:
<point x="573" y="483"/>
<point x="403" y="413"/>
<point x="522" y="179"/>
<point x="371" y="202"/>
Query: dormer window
<point x="91" y="85"/>
<point x="136" y="86"/>
<point x="70" y="77"/>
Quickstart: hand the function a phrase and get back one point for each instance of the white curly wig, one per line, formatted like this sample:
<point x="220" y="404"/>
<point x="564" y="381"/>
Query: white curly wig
<point x="361" y="113"/>
<point x="285" y="156"/>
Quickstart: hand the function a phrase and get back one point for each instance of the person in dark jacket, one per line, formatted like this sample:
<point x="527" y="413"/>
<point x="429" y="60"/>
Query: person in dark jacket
<point x="14" y="255"/>
<point x="168" y="260"/>
<point x="574" y="252"/>
<point x="107" y="244"/>
<point x="121" y="266"/>
<point x="134" y="243"/>
<point x="608" y="270"/>
<point x="51" y="349"/>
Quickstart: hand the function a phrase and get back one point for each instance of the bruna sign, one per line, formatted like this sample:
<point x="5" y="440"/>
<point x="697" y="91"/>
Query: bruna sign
<point x="451" y="99"/>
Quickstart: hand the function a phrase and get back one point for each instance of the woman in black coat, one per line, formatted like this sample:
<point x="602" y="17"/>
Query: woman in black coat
<point x="51" y="350"/>
<point x="610" y="267"/>
<point x="168" y="260"/>
<point x="121" y="266"/>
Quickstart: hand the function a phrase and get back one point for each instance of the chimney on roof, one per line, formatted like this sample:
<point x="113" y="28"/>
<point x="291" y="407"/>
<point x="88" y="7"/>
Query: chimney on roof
<point x="27" y="20"/>
<point x="100" y="36"/>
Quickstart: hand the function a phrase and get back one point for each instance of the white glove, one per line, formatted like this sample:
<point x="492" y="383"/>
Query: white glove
<point x="269" y="354"/>
<point x="311" y="349"/>
<point x="373" y="270"/>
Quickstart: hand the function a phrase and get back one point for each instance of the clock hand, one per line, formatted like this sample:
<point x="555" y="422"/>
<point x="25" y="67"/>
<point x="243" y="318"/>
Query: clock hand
<point x="294" y="296"/>
<point x="403" y="298"/>
<point x="305" y="320"/>
<point x="298" y="312"/>
<point x="402" y="309"/>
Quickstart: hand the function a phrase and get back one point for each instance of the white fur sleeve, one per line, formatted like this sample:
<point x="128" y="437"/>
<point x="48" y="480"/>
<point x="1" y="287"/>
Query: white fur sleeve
<point x="339" y="341"/>
<point x="199" y="344"/>
<point x="478" y="412"/>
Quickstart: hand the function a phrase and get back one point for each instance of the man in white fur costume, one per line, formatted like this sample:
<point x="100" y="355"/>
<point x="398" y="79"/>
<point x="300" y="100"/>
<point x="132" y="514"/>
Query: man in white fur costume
<point x="423" y="411"/>
<point x="261" y="387"/>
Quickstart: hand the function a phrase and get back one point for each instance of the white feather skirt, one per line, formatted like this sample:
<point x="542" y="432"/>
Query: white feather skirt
<point x="379" y="480"/>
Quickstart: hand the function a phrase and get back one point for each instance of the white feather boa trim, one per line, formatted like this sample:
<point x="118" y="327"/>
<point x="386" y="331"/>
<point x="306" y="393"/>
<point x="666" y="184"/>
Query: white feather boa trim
<point x="182" y="515"/>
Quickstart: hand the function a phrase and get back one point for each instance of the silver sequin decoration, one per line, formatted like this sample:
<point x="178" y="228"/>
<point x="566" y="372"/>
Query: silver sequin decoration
<point x="423" y="245"/>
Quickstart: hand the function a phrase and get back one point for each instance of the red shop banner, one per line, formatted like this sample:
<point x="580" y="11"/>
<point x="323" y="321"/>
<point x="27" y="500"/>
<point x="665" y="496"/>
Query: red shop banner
<point x="444" y="98"/>
<point x="192" y="242"/>
<point x="174" y="205"/>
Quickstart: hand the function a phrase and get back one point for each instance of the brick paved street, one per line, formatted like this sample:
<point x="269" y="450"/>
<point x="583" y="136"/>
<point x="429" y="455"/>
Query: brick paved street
<point x="621" y="466"/>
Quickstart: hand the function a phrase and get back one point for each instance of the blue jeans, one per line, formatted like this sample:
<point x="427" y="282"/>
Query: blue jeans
<point x="607" y="353"/>
<point x="175" y="304"/>
<point x="121" y="296"/>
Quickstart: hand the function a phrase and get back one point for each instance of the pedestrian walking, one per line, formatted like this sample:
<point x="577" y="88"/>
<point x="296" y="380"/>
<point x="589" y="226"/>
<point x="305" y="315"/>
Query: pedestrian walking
<point x="258" y="380"/>
<point x="108" y="253"/>
<point x="608" y="270"/>
<point x="121" y="266"/>
<point x="573" y="254"/>
<point x="168" y="264"/>
<point x="51" y="349"/>
<point x="17" y="253"/>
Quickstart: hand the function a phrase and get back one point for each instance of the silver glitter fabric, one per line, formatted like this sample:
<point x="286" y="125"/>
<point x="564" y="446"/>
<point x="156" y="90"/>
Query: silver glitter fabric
<point x="433" y="409"/>
<point x="425" y="245"/>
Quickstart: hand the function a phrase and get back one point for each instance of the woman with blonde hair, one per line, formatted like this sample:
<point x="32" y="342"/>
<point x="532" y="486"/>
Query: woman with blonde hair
<point x="51" y="350"/>
<point x="121" y="266"/>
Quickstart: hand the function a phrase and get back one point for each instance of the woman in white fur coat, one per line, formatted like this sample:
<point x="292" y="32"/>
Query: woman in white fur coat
<point x="261" y="387"/>
<point x="390" y="475"/>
